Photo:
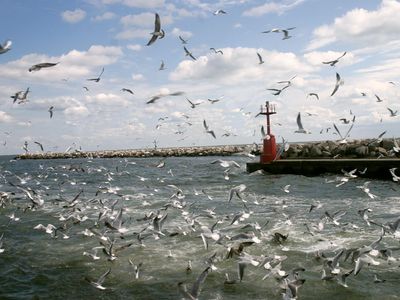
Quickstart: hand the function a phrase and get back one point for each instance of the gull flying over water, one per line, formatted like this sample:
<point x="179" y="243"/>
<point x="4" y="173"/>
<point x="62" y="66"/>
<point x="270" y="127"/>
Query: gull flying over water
<point x="6" y="46"/>
<point x="335" y="61"/>
<point x="188" y="53"/>
<point x="300" y="125"/>
<point x="183" y="40"/>
<point x="158" y="32"/>
<point x="195" y="291"/>
<point x="343" y="141"/>
<point x="40" y="66"/>
<point x="338" y="83"/>
<point x="208" y="130"/>
<point x="40" y="145"/>
<point x="97" y="79"/>
<point x="98" y="284"/>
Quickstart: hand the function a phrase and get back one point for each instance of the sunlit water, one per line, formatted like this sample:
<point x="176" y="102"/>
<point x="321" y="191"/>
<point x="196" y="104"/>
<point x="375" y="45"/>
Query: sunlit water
<point x="37" y="265"/>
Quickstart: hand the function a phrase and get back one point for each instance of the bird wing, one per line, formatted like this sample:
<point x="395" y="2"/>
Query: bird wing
<point x="199" y="281"/>
<point x="337" y="84"/>
<point x="391" y="111"/>
<point x="205" y="125"/>
<point x="337" y="130"/>
<point x="299" y="124"/>
<point x="102" y="277"/>
<point x="152" y="40"/>
<point x="260" y="57"/>
<point x="157" y="23"/>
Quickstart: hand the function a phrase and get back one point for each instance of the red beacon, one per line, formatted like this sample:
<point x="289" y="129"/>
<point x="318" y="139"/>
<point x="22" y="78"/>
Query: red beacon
<point x="269" y="153"/>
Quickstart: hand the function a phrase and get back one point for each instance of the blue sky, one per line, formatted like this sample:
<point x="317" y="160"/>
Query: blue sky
<point x="85" y="36"/>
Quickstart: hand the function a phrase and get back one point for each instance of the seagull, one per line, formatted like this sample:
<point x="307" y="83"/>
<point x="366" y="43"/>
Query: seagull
<point x="260" y="60"/>
<point x="378" y="99"/>
<point x="208" y="130"/>
<point x="51" y="111"/>
<point x="162" y="66"/>
<point x="98" y="284"/>
<point x="158" y="32"/>
<point x="343" y="141"/>
<point x="395" y="177"/>
<point x="97" y="79"/>
<point x="216" y="52"/>
<point x="215" y="100"/>
<point x="338" y="82"/>
<point x="344" y="120"/>
<point x="127" y="90"/>
<point x="183" y="40"/>
<point x="37" y="67"/>
<point x="40" y="145"/>
<point x="335" y="61"/>
<point x="218" y="12"/>
<point x="313" y="94"/>
<point x="156" y="97"/>
<point x="85" y="88"/>
<point x="195" y="291"/>
<point x="21" y="95"/>
<point x="6" y="46"/>
<point x="300" y="125"/>
<point x="285" y="32"/>
<point x="193" y="105"/>
<point x="188" y="53"/>
<point x="278" y="91"/>
<point x="392" y="113"/>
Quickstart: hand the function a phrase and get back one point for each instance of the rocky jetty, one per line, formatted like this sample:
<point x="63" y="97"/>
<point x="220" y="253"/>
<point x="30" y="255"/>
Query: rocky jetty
<point x="159" y="152"/>
<point x="368" y="148"/>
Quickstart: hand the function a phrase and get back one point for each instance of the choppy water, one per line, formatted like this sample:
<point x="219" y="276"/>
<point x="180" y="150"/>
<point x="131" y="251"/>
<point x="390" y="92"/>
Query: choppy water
<point x="38" y="265"/>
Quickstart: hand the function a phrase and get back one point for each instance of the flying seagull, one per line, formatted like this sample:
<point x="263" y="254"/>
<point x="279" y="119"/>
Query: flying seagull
<point x="162" y="66"/>
<point x="338" y="82"/>
<point x="335" y="61"/>
<point x="6" y="46"/>
<point x="98" y="284"/>
<point x="313" y="94"/>
<point x="159" y="96"/>
<point x="51" y="111"/>
<point x="97" y="79"/>
<point x="300" y="125"/>
<point x="343" y="141"/>
<point x="40" y="145"/>
<point x="37" y="67"/>
<point x="193" y="105"/>
<point x="285" y="32"/>
<point x="158" y="32"/>
<point x="260" y="60"/>
<point x="392" y="112"/>
<point x="127" y="90"/>
<point x="218" y="12"/>
<point x="183" y="40"/>
<point x="216" y="51"/>
<point x="278" y="91"/>
<point x="188" y="53"/>
<point x="378" y="99"/>
<point x="208" y="130"/>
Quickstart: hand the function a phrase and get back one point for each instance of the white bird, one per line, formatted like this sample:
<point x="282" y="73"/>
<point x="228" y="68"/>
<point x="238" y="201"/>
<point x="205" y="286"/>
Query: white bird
<point x="40" y="66"/>
<point x="183" y="40"/>
<point x="98" y="284"/>
<point x="260" y="60"/>
<point x="300" y="125"/>
<point x="335" y="61"/>
<point x="338" y="83"/>
<point x="158" y="32"/>
<point x="395" y="177"/>
<point x="344" y="139"/>
<point x="51" y="111"/>
<point x="218" y="12"/>
<point x="208" y="130"/>
<point x="6" y="46"/>
<point x="392" y="112"/>
<point x="188" y="53"/>
<point x="162" y="66"/>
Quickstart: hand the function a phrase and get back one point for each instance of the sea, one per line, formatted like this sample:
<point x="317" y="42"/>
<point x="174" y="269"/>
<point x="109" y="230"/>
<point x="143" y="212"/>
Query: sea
<point x="157" y="225"/>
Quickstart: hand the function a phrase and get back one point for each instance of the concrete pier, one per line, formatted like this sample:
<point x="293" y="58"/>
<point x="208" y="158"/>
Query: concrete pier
<point x="376" y="168"/>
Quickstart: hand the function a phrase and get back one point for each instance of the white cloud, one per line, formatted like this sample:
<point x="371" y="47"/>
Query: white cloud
<point x="135" y="47"/>
<point x="179" y="32"/>
<point x="77" y="111"/>
<point x="361" y="27"/>
<point x="144" y="20"/>
<point x="272" y="7"/>
<point x="128" y="34"/>
<point x="74" y="64"/>
<point x="137" y="77"/>
<point x="104" y="17"/>
<point x="316" y="58"/>
<point x="5" y="117"/>
<point x="136" y="3"/>
<point x="73" y="16"/>
<point x="238" y="66"/>
<point x="107" y="99"/>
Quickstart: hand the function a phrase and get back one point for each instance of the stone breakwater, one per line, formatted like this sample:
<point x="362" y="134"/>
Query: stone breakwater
<point x="352" y="149"/>
<point x="160" y="152"/>
<point x="323" y="149"/>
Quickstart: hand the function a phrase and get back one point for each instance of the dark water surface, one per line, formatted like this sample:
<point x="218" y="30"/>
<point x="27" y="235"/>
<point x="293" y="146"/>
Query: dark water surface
<point x="38" y="265"/>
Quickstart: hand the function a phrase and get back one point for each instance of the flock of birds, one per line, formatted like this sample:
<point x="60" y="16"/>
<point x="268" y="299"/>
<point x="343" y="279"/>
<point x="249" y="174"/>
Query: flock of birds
<point x="254" y="234"/>
<point x="21" y="97"/>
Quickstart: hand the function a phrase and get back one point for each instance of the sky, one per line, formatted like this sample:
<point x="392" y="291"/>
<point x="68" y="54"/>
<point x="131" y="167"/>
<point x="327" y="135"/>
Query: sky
<point x="85" y="36"/>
